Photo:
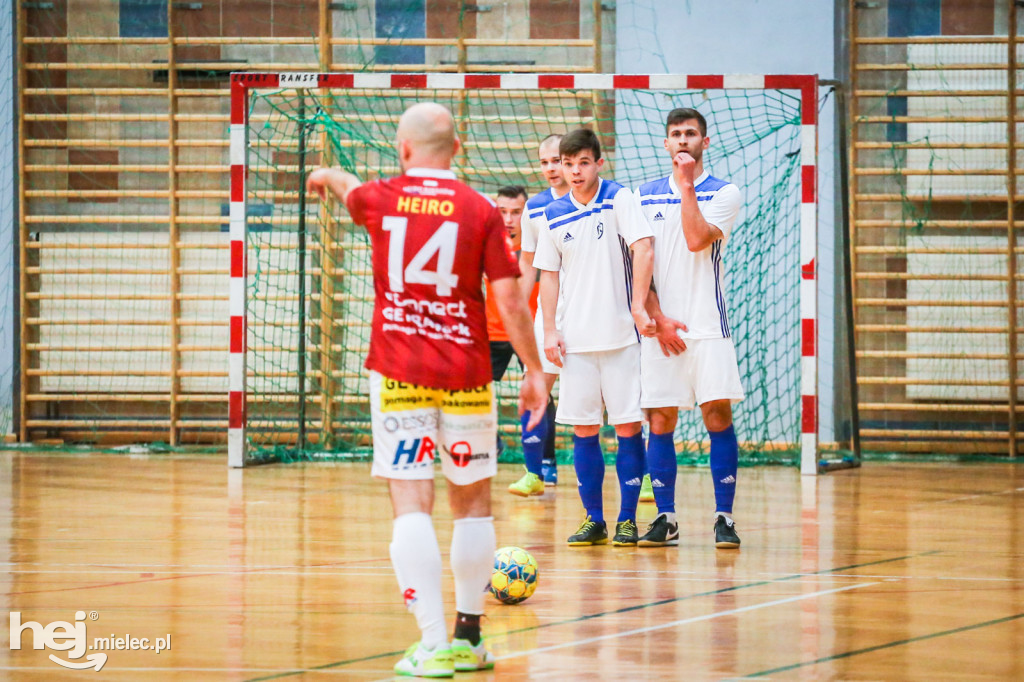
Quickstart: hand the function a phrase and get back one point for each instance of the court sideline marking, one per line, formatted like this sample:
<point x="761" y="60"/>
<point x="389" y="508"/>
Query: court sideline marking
<point x="682" y="621"/>
<point x="888" y="645"/>
<point x="626" y="609"/>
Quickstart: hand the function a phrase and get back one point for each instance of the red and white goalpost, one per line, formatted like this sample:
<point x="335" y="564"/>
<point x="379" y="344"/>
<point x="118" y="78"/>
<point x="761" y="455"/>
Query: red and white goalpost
<point x="244" y="85"/>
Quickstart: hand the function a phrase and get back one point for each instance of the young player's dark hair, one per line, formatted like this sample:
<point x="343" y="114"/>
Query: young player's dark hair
<point x="580" y="140"/>
<point x="677" y="116"/>
<point x="512" y="191"/>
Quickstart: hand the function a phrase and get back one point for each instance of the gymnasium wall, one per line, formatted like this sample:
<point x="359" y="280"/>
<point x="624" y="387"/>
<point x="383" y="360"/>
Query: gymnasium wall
<point x="936" y="249"/>
<point x="102" y="202"/>
<point x="126" y="180"/>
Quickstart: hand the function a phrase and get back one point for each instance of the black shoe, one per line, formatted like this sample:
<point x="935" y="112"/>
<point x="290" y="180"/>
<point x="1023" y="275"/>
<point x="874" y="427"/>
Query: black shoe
<point x="725" y="533"/>
<point x="589" y="533"/>
<point x="660" y="533"/>
<point x="625" y="534"/>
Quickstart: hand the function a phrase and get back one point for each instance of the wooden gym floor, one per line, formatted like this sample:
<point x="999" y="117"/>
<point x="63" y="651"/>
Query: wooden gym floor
<point x="892" y="571"/>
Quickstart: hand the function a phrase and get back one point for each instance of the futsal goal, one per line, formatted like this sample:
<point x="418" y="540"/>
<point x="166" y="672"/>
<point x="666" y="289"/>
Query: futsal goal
<point x="301" y="291"/>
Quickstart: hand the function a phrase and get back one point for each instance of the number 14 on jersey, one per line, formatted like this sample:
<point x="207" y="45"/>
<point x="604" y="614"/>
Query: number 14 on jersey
<point x="441" y="242"/>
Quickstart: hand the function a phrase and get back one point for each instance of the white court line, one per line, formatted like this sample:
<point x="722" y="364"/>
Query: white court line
<point x="912" y="577"/>
<point x="1010" y="491"/>
<point x="684" y="621"/>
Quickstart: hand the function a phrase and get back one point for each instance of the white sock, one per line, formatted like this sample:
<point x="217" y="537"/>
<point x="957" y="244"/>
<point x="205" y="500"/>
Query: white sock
<point x="472" y="560"/>
<point x="417" y="561"/>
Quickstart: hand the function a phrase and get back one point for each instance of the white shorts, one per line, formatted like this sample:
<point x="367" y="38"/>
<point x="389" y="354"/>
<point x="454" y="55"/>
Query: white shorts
<point x="414" y="425"/>
<point x="591" y="382"/>
<point x="705" y="371"/>
<point x="538" y="333"/>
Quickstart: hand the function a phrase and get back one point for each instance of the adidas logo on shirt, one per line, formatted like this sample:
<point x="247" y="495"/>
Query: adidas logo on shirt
<point x="532" y="439"/>
<point x="567" y="238"/>
<point x="658" y="216"/>
<point x="633" y="481"/>
<point x="728" y="479"/>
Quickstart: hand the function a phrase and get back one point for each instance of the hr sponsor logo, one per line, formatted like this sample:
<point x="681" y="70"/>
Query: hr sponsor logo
<point x="414" y="453"/>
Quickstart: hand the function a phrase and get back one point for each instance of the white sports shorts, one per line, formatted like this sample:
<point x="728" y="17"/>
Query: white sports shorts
<point x="705" y="371"/>
<point x="415" y="425"/>
<point x="593" y="381"/>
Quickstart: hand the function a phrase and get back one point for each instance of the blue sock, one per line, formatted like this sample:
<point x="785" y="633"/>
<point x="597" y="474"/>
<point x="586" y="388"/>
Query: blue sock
<point x="661" y="461"/>
<point x="533" y="443"/>
<point x="725" y="454"/>
<point x="629" y="464"/>
<point x="589" y="462"/>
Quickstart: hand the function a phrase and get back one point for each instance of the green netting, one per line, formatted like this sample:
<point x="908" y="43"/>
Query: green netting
<point x="299" y="251"/>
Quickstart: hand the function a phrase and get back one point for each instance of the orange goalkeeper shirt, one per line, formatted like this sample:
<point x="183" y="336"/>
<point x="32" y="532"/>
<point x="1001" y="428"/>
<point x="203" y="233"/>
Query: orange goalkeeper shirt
<point x="495" y="329"/>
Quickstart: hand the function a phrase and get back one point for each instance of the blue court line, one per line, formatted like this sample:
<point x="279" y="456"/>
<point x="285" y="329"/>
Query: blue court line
<point x="625" y="609"/>
<point x="900" y="642"/>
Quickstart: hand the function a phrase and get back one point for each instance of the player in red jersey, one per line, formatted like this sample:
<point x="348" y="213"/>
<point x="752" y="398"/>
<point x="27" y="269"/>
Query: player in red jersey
<point x="433" y="240"/>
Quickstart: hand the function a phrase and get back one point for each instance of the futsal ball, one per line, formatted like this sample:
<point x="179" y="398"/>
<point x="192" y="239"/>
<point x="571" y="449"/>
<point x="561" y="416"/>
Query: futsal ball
<point x="515" y="575"/>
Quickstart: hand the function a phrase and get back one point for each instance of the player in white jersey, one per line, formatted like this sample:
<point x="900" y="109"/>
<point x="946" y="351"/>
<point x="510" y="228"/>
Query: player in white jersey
<point x="539" y="442"/>
<point x="596" y="259"/>
<point x="692" y="359"/>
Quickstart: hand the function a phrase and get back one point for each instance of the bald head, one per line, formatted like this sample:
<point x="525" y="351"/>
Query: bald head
<point x="426" y="136"/>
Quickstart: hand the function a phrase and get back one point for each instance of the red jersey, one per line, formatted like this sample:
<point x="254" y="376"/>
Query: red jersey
<point x="433" y="240"/>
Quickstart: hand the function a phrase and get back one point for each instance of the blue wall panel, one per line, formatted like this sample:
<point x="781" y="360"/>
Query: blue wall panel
<point x="915" y="18"/>
<point x="143" y="18"/>
<point x="400" y="19"/>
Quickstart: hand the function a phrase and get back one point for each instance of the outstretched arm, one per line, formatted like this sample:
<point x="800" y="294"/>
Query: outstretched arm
<point x="515" y="315"/>
<point x="337" y="181"/>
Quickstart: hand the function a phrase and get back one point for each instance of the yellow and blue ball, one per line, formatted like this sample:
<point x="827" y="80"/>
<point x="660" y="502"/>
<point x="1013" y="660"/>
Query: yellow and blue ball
<point x="515" y="575"/>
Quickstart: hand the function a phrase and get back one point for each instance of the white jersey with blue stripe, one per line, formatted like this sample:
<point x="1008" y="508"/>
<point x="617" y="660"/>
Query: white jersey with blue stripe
<point x="691" y="286"/>
<point x="531" y="226"/>
<point x="589" y="246"/>
<point x="533" y="219"/>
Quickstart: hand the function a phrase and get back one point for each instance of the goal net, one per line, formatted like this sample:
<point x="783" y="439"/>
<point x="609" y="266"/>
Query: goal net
<point x="301" y="287"/>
